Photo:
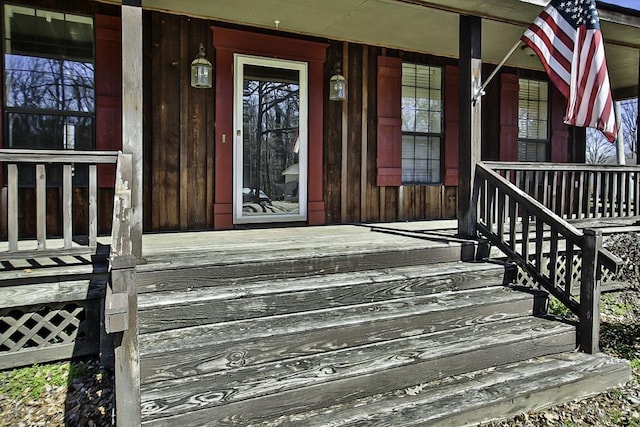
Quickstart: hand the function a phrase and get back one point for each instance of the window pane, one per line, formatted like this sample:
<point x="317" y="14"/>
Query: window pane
<point x="50" y="132"/>
<point x="408" y="109"/>
<point x="45" y="83"/>
<point x="533" y="113"/>
<point x="422" y="121"/>
<point x="422" y="116"/>
<point x="422" y="99"/>
<point x="435" y="122"/>
<point x="49" y="80"/>
<point x="421" y="159"/>
<point x="45" y="33"/>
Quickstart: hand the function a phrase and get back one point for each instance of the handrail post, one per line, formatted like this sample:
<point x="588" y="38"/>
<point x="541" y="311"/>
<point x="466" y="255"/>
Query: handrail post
<point x="121" y="320"/>
<point x="121" y="301"/>
<point x="589" y="328"/>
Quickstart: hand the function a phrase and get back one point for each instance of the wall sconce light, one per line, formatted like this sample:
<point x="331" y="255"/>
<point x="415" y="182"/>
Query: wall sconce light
<point x="201" y="71"/>
<point x="337" y="85"/>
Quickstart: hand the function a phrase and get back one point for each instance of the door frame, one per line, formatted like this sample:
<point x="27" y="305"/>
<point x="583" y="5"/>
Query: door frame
<point x="227" y="42"/>
<point x="238" y="165"/>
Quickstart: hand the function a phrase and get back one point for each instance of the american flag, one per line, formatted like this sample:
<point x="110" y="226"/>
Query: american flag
<point x="566" y="37"/>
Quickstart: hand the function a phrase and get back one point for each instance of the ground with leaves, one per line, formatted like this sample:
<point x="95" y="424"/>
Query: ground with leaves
<point x="620" y="336"/>
<point x="78" y="393"/>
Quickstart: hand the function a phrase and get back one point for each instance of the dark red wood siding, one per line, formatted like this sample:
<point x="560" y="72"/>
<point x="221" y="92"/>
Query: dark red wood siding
<point x="389" y="155"/>
<point x="108" y="91"/>
<point x="452" y="124"/>
<point x="559" y="130"/>
<point x="508" y="117"/>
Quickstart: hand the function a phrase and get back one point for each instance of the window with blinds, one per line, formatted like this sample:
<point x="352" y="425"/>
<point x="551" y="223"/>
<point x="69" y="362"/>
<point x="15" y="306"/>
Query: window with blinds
<point x="533" y="121"/>
<point x="422" y="124"/>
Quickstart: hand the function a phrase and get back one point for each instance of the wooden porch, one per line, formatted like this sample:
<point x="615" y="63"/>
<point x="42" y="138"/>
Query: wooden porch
<point x="395" y="323"/>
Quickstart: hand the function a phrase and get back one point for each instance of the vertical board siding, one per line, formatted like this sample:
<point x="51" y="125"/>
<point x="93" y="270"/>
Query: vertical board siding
<point x="179" y="148"/>
<point x="354" y="158"/>
<point x="559" y="130"/>
<point x="165" y="126"/>
<point x="344" y="139"/>
<point x="365" y="200"/>
<point x="332" y="144"/>
<point x="509" y="87"/>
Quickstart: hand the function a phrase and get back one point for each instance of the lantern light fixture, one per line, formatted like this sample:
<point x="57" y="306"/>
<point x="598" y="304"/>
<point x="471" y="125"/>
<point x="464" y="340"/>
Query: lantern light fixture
<point x="337" y="85"/>
<point x="201" y="70"/>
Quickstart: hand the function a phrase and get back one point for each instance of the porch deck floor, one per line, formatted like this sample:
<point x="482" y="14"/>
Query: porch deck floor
<point x="178" y="250"/>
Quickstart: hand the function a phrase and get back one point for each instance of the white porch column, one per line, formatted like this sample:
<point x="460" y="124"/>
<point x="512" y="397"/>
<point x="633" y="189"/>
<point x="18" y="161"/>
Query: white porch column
<point x="132" y="110"/>
<point x="470" y="120"/>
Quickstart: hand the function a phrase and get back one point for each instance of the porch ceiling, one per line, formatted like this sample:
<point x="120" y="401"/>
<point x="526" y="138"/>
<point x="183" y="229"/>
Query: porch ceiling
<point x="429" y="26"/>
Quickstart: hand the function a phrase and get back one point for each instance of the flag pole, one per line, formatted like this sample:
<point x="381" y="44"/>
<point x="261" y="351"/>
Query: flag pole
<point x="480" y="90"/>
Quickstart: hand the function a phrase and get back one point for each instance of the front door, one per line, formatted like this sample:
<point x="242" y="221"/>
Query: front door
<point x="270" y="147"/>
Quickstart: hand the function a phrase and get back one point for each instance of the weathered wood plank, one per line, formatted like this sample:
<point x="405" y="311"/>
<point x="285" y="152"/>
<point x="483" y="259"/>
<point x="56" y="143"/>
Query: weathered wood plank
<point x="344" y="139"/>
<point x="341" y="376"/>
<point x="12" y="206"/>
<point x="251" y="308"/>
<point x="292" y="266"/>
<point x="473" y="310"/>
<point x="393" y="282"/>
<point x="57" y="156"/>
<point x="51" y="292"/>
<point x="354" y="147"/>
<point x="28" y="357"/>
<point x="364" y="138"/>
<point x="184" y="140"/>
<point x="166" y="122"/>
<point x="485" y="395"/>
<point x="67" y="205"/>
<point x="41" y="206"/>
<point x="93" y="206"/>
<point x="220" y="304"/>
<point x="164" y="364"/>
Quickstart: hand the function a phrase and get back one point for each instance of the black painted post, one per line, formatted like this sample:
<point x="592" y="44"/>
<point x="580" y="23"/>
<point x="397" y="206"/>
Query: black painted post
<point x="589" y="329"/>
<point x="470" y="120"/>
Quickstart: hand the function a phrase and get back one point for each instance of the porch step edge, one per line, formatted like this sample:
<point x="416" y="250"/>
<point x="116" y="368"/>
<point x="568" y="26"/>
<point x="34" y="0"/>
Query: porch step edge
<point x="320" y="381"/>
<point x="178" y="364"/>
<point x="439" y="311"/>
<point x="474" y="272"/>
<point x="481" y="396"/>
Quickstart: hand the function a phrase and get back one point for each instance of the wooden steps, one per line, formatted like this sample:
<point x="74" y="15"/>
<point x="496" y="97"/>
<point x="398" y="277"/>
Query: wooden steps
<point x="474" y="397"/>
<point x="315" y="336"/>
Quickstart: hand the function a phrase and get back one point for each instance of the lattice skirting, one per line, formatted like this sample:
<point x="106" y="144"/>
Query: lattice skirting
<point x="523" y="278"/>
<point x="45" y="332"/>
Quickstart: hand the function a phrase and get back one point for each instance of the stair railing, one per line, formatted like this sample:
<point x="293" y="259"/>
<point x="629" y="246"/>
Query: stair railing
<point x="579" y="193"/>
<point x="519" y="225"/>
<point x="121" y="301"/>
<point x="39" y="159"/>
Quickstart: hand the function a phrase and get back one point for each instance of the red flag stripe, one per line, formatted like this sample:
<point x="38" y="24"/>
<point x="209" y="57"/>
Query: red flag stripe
<point x="566" y="37"/>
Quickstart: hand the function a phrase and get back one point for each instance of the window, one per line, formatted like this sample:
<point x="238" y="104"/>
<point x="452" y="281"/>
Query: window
<point x="422" y="129"/>
<point x="533" y="121"/>
<point x="49" y="80"/>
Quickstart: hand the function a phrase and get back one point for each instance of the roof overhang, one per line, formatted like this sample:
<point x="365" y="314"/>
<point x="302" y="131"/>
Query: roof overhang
<point x="427" y="26"/>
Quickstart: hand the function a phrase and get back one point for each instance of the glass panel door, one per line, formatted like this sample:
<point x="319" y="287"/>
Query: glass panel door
<point x="270" y="151"/>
